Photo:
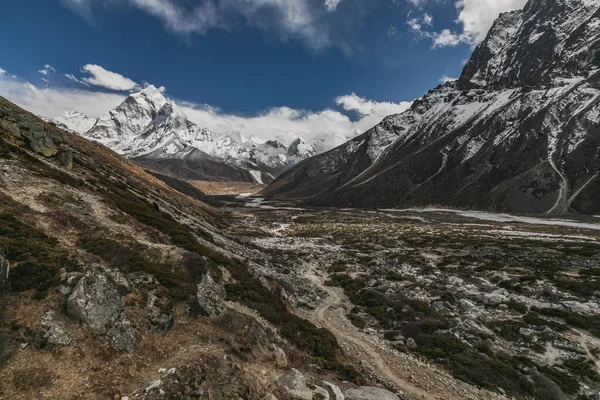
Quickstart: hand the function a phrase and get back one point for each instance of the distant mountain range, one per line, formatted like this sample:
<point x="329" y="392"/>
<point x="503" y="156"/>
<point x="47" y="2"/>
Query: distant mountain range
<point x="153" y="132"/>
<point x="519" y="131"/>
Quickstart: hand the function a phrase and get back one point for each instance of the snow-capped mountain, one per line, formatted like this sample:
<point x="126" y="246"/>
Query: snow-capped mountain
<point x="74" y="121"/>
<point x="519" y="131"/>
<point x="299" y="150"/>
<point x="153" y="131"/>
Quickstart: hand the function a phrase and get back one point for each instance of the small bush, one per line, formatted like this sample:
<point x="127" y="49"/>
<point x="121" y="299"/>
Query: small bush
<point x="36" y="257"/>
<point x="357" y="321"/>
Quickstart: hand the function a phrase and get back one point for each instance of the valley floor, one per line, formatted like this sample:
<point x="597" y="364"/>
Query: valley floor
<point x="440" y="304"/>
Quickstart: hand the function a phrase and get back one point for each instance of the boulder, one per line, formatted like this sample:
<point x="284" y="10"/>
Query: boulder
<point x="211" y="297"/>
<point x="320" y="394"/>
<point x="160" y="309"/>
<point x="266" y="347"/>
<point x="494" y="299"/>
<point x="455" y="281"/>
<point x="294" y="385"/>
<point x="122" y="334"/>
<point x="465" y="305"/>
<point x="4" y="269"/>
<point x="438" y="306"/>
<point x="335" y="393"/>
<point x="411" y="344"/>
<point x="96" y="301"/>
<point x="370" y="393"/>
<point x="40" y="141"/>
<point x="52" y="333"/>
<point x="65" y="158"/>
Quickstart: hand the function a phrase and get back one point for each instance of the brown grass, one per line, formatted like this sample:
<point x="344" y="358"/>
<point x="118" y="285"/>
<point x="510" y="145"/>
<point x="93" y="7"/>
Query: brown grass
<point x="226" y="188"/>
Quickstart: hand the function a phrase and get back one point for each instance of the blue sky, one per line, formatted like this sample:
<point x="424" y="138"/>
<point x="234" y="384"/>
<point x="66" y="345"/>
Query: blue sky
<point x="241" y="59"/>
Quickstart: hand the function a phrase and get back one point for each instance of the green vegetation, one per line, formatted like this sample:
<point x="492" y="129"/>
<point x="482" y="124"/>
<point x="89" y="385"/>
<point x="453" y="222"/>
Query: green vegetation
<point x="248" y="288"/>
<point x="128" y="259"/>
<point x="36" y="257"/>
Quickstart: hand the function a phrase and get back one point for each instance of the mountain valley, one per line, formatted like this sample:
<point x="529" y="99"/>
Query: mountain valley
<point x="450" y="252"/>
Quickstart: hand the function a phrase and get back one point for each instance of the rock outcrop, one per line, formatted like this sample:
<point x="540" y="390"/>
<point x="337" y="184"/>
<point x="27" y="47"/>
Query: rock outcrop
<point x="52" y="333"/>
<point x="96" y="300"/>
<point x="211" y="297"/>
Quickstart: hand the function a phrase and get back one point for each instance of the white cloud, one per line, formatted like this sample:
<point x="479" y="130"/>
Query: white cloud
<point x="331" y="5"/>
<point x="475" y="18"/>
<point x="446" y="38"/>
<point x="47" y="70"/>
<point x="416" y="23"/>
<point x="2" y="71"/>
<point x="50" y="102"/>
<point x="108" y="79"/>
<point x="288" y="19"/>
<point x="75" y="79"/>
<point x="366" y="107"/>
<point x="418" y="3"/>
<point x="282" y="123"/>
<point x="286" y="124"/>
<point x="478" y="16"/>
<point x="446" y="79"/>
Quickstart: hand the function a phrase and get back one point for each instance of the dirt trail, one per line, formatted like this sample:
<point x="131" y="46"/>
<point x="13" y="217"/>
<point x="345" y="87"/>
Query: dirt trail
<point x="412" y="378"/>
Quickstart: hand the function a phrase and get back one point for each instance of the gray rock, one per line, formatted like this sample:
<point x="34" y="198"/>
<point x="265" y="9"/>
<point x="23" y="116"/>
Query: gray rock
<point x="122" y="284"/>
<point x="568" y="345"/>
<point x="96" y="301"/>
<point x="152" y="385"/>
<point x="411" y="344"/>
<point x="4" y="269"/>
<point x="335" y="393"/>
<point x="160" y="310"/>
<point x="455" y="281"/>
<point x="211" y="297"/>
<point x="526" y="333"/>
<point x="494" y="299"/>
<point x="438" y="306"/>
<point x="122" y="334"/>
<point x="294" y="384"/>
<point x="370" y="393"/>
<point x="266" y="347"/>
<point x="320" y="394"/>
<point x="465" y="305"/>
<point x="73" y="278"/>
<point x="65" y="290"/>
<point x="52" y="334"/>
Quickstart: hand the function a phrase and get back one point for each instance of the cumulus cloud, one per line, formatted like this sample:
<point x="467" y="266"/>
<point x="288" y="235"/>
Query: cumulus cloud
<point x="475" y="18"/>
<point x="285" y="124"/>
<point x="2" y="71"/>
<point x="50" y="102"/>
<point x="105" y="78"/>
<point x="298" y="19"/>
<point x="47" y="70"/>
<point x="365" y="107"/>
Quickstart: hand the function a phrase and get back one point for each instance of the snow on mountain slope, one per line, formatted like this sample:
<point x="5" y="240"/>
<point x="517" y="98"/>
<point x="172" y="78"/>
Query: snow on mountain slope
<point x="146" y="126"/>
<point x="519" y="131"/>
<point x="74" y="121"/>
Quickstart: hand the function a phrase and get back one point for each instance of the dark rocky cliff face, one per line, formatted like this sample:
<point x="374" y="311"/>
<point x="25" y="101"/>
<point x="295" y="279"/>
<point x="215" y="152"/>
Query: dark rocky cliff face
<point x="519" y="131"/>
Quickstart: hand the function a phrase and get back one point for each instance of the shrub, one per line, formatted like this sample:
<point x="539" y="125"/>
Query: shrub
<point x="127" y="259"/>
<point x="37" y="258"/>
<point x="357" y="321"/>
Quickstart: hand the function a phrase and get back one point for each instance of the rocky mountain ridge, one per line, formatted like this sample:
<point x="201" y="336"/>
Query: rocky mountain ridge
<point x="519" y="130"/>
<point x="148" y="128"/>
